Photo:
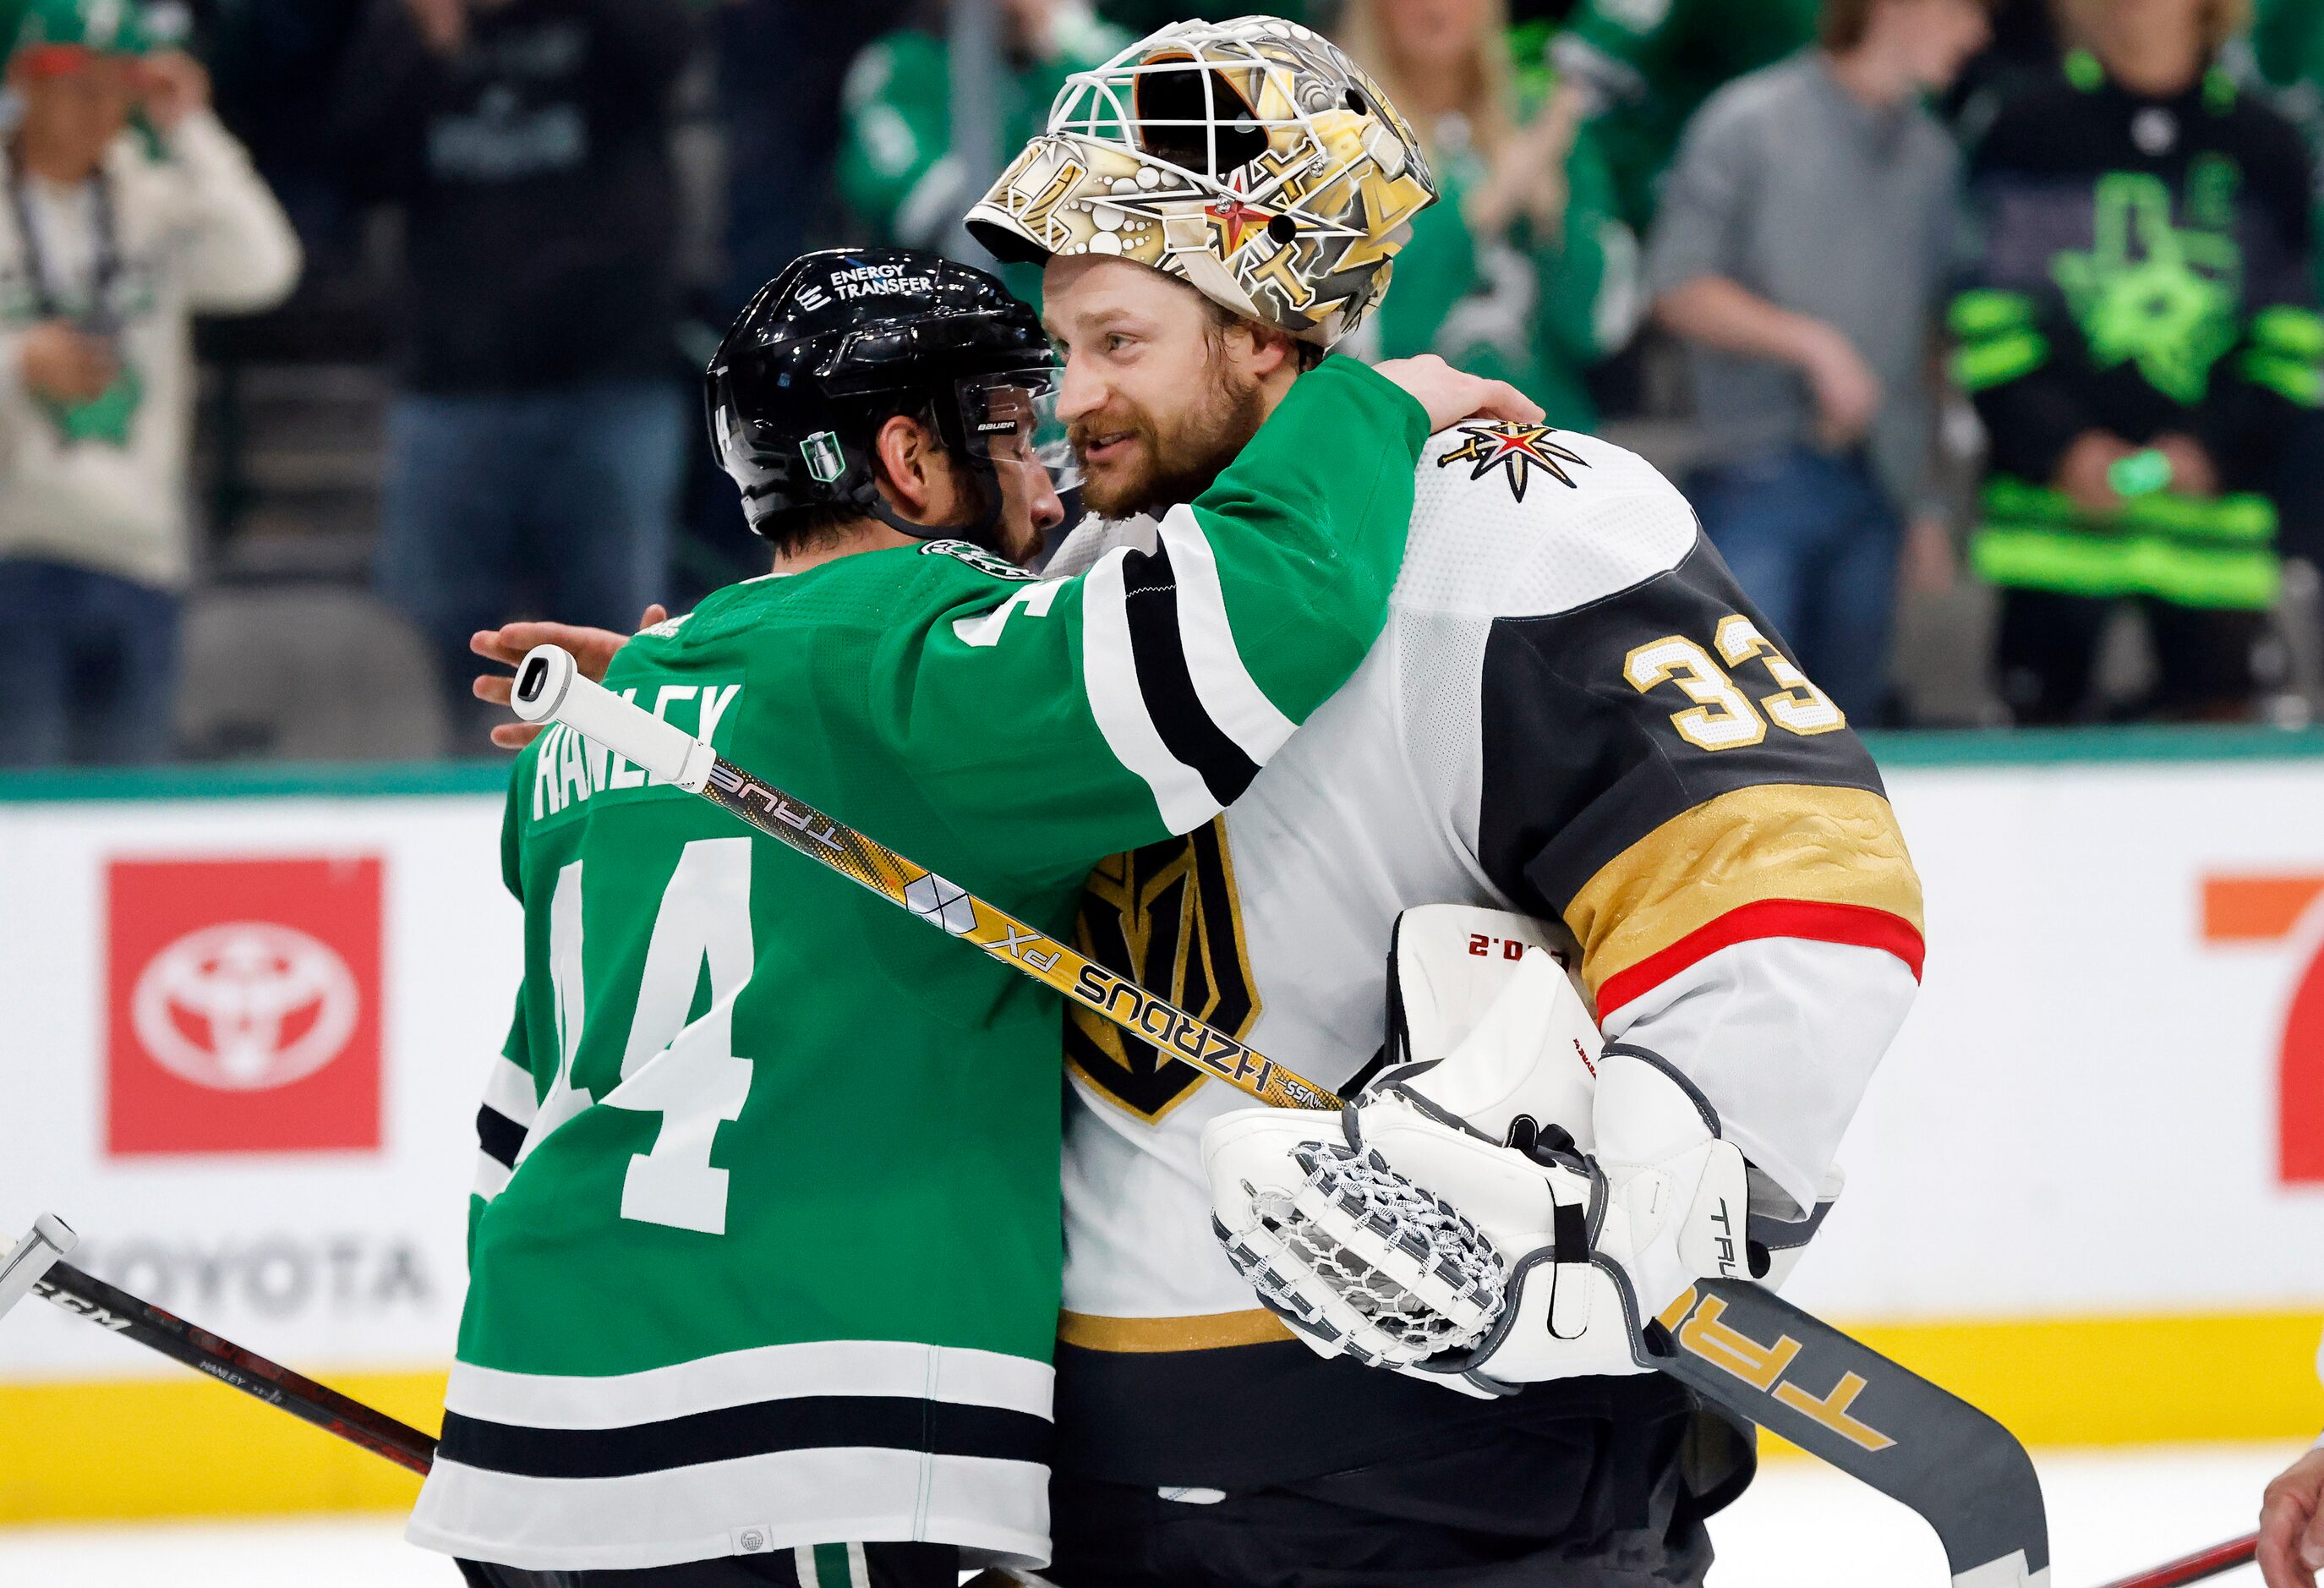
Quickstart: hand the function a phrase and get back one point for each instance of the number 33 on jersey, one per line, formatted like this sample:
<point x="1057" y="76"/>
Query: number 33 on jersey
<point x="1724" y="716"/>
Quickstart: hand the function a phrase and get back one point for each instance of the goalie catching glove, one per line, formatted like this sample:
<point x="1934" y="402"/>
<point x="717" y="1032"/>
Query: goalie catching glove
<point x="1509" y="1202"/>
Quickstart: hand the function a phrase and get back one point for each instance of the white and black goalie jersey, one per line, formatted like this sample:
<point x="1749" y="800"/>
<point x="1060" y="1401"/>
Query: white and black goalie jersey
<point x="1574" y="713"/>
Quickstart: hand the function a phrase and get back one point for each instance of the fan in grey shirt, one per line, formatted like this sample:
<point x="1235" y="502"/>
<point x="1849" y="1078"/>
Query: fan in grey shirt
<point x="1801" y="252"/>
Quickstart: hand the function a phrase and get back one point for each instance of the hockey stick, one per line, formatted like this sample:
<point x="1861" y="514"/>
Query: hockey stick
<point x="1967" y="1476"/>
<point x="550" y="686"/>
<point x="34" y="1267"/>
<point x="1738" y="1345"/>
<point x="2196" y="1567"/>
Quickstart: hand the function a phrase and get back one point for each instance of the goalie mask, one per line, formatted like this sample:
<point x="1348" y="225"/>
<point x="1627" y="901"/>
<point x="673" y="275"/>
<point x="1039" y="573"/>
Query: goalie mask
<point x="1251" y="159"/>
<point x="844" y="339"/>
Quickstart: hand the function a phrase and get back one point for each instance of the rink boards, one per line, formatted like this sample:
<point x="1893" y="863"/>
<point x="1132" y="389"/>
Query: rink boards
<point x="248" y="1017"/>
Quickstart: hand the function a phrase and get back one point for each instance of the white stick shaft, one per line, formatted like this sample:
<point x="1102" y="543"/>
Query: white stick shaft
<point x="550" y="688"/>
<point x="32" y="1257"/>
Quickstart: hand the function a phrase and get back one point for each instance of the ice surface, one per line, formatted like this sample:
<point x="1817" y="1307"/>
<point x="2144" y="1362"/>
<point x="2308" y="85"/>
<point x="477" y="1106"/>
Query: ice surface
<point x="1802" y="1526"/>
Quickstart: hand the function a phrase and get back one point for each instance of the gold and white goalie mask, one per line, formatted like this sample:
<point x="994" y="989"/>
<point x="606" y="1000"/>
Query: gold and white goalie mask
<point x="1252" y="158"/>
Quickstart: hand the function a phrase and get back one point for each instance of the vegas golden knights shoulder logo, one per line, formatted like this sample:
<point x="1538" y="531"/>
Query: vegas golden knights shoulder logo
<point x="1167" y="916"/>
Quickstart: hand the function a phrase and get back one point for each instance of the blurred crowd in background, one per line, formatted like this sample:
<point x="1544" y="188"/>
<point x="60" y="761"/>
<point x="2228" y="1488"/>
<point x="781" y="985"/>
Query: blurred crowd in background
<point x="1982" y="334"/>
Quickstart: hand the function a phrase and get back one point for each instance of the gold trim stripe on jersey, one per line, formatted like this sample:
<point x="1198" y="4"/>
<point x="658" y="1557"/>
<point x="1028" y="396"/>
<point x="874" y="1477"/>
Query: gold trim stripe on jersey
<point x="1205" y="1331"/>
<point x="1787" y="841"/>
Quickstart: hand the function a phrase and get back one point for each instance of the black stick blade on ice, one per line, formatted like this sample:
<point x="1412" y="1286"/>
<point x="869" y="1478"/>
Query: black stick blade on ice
<point x="1757" y="1354"/>
<point x="34" y="1267"/>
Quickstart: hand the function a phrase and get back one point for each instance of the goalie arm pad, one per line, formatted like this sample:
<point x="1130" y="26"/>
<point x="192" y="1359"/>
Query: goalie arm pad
<point x="1782" y="1035"/>
<point x="1484" y="1026"/>
<point x="1777" y="1238"/>
<point x="1747" y="909"/>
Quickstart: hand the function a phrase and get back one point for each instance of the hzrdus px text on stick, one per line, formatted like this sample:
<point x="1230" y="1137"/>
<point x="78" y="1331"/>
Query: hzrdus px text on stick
<point x="550" y="688"/>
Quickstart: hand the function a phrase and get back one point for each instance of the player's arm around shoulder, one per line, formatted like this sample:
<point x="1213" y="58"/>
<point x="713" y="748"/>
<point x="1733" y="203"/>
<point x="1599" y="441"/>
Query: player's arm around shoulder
<point x="1307" y="529"/>
<point x="1089" y="715"/>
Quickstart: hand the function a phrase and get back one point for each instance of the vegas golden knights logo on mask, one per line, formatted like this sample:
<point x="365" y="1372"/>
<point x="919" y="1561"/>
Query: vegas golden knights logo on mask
<point x="1167" y="916"/>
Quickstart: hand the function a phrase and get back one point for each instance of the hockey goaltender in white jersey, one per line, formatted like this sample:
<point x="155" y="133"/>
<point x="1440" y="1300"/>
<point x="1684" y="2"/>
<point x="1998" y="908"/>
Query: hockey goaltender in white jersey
<point x="1575" y="715"/>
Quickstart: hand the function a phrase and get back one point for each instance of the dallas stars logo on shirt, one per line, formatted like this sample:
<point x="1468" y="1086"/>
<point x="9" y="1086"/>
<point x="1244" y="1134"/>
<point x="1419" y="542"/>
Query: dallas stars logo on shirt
<point x="2151" y="293"/>
<point x="1518" y="449"/>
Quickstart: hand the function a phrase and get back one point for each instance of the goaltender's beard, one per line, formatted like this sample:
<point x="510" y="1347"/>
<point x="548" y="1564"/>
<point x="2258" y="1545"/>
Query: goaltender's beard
<point x="1165" y="460"/>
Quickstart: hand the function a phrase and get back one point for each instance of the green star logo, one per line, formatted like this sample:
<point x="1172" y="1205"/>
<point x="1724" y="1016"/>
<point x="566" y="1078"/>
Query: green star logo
<point x="2151" y="294"/>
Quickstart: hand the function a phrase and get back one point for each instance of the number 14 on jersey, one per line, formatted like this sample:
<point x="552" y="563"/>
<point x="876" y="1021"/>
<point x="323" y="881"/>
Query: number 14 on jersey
<point x="685" y="1070"/>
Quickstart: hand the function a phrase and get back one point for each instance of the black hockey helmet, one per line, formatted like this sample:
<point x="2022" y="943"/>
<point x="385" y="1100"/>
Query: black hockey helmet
<point x="843" y="339"/>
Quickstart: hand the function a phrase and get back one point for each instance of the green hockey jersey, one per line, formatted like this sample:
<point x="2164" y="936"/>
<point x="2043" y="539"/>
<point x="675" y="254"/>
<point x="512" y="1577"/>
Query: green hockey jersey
<point x="766" y="1249"/>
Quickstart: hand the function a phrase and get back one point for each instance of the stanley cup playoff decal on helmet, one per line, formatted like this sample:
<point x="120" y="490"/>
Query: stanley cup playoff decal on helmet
<point x="1252" y="158"/>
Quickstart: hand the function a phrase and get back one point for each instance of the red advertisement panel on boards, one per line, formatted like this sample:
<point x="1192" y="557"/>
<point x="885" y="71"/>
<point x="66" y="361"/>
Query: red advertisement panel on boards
<point x="2258" y="908"/>
<point x="243" y="1005"/>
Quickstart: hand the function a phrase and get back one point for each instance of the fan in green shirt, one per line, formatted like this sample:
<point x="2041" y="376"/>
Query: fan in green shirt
<point x="897" y="171"/>
<point x="1651" y="63"/>
<point x="1516" y="276"/>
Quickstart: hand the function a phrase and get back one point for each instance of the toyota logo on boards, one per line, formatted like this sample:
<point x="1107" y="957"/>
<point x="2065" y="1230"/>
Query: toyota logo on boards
<point x="243" y="1005"/>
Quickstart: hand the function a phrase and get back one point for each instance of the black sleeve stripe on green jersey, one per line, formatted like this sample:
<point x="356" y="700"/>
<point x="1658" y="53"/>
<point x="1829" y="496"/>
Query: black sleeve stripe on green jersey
<point x="1165" y="678"/>
<point x="735" y="1432"/>
<point x="502" y="1123"/>
<point x="1579" y="765"/>
<point x="498" y="1136"/>
<point x="1149" y="591"/>
<point x="1229" y="694"/>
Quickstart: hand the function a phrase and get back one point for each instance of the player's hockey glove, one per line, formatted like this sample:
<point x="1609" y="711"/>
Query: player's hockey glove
<point x="1451" y="1224"/>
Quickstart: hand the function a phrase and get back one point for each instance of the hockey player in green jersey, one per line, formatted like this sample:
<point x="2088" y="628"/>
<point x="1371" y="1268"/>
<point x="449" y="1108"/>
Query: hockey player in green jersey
<point x="1529" y="732"/>
<point x="765" y="1272"/>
